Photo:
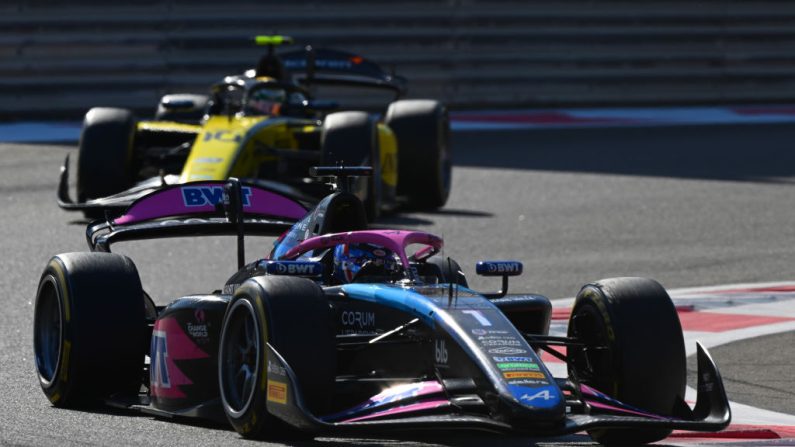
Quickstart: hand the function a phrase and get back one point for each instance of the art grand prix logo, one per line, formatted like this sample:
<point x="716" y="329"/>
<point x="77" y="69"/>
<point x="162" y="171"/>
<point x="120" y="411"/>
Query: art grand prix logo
<point x="194" y="196"/>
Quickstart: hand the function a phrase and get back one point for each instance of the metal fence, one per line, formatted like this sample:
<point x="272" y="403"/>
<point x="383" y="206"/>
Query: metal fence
<point x="57" y="59"/>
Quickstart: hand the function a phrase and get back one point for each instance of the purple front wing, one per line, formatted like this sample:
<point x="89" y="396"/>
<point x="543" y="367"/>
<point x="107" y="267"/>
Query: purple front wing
<point x="202" y="198"/>
<point x="399" y="399"/>
<point x="597" y="399"/>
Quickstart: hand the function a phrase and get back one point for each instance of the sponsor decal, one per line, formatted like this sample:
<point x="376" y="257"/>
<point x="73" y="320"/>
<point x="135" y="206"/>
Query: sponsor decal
<point x="507" y="350"/>
<point x="277" y="369"/>
<point x="541" y="397"/>
<point x="158" y="370"/>
<point x="380" y="253"/>
<point x="209" y="195"/>
<point x="513" y="359"/>
<point x="494" y="268"/>
<point x="229" y="289"/>
<point x="197" y="330"/>
<point x="523" y="375"/>
<point x="208" y="160"/>
<point x="528" y="382"/>
<point x="294" y="268"/>
<point x="478" y="316"/>
<point x="277" y="392"/>
<point x="520" y="366"/>
<point x="505" y="267"/>
<point x="332" y="64"/>
<point x="500" y="343"/>
<point x="497" y="337"/>
<point x="441" y="352"/>
<point x="480" y="331"/>
<point x="357" y="319"/>
<point x="543" y="394"/>
<point x="224" y="136"/>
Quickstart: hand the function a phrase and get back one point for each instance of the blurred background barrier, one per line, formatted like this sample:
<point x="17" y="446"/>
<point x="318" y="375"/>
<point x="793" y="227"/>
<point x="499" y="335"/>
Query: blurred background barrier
<point x="59" y="58"/>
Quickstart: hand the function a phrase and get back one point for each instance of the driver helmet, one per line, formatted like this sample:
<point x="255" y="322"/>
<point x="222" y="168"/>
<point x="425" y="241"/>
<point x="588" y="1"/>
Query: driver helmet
<point x="266" y="101"/>
<point x="350" y="258"/>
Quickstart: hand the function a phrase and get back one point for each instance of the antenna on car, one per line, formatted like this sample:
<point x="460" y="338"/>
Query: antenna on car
<point x="233" y="209"/>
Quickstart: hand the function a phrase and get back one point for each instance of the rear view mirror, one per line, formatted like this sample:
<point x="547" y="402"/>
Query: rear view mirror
<point x="499" y="268"/>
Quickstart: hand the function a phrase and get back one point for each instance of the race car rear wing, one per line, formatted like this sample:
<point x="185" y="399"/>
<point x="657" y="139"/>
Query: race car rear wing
<point x="116" y="204"/>
<point x="208" y="208"/>
<point x="316" y="66"/>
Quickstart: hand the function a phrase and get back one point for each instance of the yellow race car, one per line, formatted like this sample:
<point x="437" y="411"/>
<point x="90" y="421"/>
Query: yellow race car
<point x="266" y="126"/>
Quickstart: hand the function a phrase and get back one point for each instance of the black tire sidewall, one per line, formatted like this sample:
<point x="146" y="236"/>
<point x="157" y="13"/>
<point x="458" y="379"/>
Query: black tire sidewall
<point x="102" y="327"/>
<point x="105" y="161"/>
<point x="646" y="360"/>
<point x="422" y="130"/>
<point x="449" y="271"/>
<point x="254" y="420"/>
<point x="352" y="138"/>
<point x="307" y="347"/>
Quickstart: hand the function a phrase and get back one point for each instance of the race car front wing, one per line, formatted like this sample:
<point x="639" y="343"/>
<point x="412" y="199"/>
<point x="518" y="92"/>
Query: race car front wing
<point x="435" y="409"/>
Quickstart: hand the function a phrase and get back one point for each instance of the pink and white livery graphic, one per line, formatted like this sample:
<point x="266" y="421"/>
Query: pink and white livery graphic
<point x="203" y="198"/>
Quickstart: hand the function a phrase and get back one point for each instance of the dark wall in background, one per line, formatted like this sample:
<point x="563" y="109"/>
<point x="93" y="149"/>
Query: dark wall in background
<point x="57" y="59"/>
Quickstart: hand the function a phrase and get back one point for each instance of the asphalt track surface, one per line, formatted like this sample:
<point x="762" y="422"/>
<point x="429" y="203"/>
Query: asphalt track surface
<point x="688" y="206"/>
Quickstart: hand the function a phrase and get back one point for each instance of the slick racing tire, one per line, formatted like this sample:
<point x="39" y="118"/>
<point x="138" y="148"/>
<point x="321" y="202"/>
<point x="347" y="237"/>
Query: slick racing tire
<point x="89" y="329"/>
<point x="185" y="108"/>
<point x="292" y="315"/>
<point x="105" y="162"/>
<point x="642" y="360"/>
<point x="351" y="139"/>
<point x="449" y="271"/>
<point x="422" y="129"/>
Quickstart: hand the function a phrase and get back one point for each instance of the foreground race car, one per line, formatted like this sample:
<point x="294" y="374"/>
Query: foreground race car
<point x="344" y="330"/>
<point x="266" y="124"/>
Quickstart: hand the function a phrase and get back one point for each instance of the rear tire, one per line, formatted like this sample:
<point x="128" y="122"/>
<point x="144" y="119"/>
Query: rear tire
<point x="351" y="138"/>
<point x="308" y="347"/>
<point x="105" y="162"/>
<point x="89" y="328"/>
<point x="644" y="363"/>
<point x="449" y="272"/>
<point x="422" y="129"/>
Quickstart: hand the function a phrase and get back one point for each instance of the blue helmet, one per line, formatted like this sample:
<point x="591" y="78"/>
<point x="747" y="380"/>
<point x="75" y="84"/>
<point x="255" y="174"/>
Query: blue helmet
<point x="350" y="258"/>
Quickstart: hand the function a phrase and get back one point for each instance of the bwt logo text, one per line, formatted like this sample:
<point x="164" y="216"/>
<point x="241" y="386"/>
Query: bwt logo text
<point x="210" y="195"/>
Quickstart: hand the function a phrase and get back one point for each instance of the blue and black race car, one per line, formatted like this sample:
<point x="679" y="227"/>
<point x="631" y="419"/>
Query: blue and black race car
<point x="345" y="329"/>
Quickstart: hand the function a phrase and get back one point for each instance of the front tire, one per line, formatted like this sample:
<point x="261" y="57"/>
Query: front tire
<point x="263" y="310"/>
<point x="642" y="362"/>
<point x="89" y="328"/>
<point x="105" y="162"/>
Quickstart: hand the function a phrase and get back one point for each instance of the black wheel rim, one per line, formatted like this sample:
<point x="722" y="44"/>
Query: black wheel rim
<point x="239" y="357"/>
<point x="48" y="331"/>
